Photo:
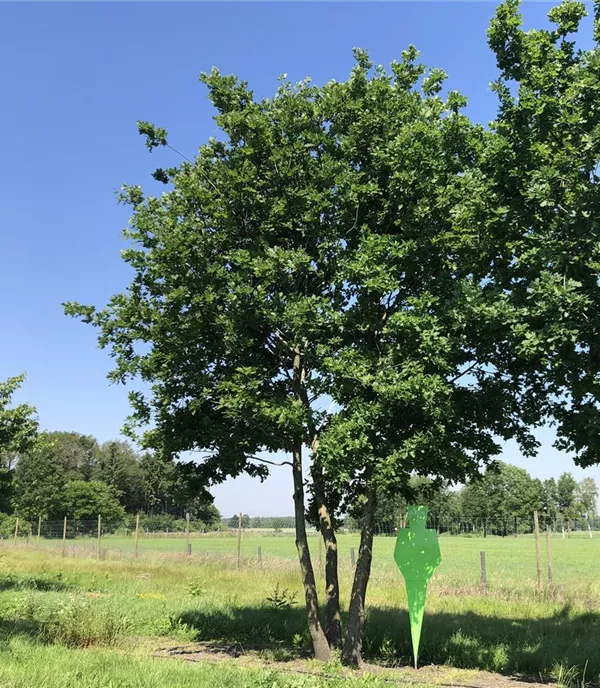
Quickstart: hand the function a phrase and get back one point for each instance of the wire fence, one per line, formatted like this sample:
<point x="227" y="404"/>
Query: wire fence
<point x="503" y="555"/>
<point x="242" y="536"/>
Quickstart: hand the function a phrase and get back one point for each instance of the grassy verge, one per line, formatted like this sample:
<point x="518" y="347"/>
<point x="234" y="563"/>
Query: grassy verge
<point x="25" y="665"/>
<point x="81" y="612"/>
<point x="510" y="561"/>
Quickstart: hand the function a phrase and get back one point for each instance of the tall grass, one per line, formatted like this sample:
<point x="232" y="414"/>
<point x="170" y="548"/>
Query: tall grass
<point x="56" y="604"/>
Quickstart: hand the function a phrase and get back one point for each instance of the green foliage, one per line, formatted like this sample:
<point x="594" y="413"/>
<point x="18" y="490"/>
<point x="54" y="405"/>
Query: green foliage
<point x="234" y="521"/>
<point x="566" y="487"/>
<point x="39" y="484"/>
<point x="84" y="501"/>
<point x="281" y="600"/>
<point x="197" y="588"/>
<point x="118" y="466"/>
<point x="586" y="497"/>
<point x="541" y="169"/>
<point x="504" y="492"/>
<point x="40" y="477"/>
<point x="7" y="525"/>
<point x="18" y="424"/>
<point x="168" y="487"/>
<point x="76" y="454"/>
<point x="441" y="501"/>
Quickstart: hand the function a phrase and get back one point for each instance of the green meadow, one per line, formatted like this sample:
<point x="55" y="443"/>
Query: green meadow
<point x="114" y="621"/>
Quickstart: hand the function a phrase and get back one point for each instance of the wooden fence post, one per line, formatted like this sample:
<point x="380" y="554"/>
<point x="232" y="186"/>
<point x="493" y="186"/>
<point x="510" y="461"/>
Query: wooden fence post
<point x="538" y="553"/>
<point x="188" y="545"/>
<point x="39" y="529"/>
<point x="137" y="534"/>
<point x="16" y="535"/>
<point x="239" y="540"/>
<point x="259" y="553"/>
<point x="549" y="556"/>
<point x="483" y="571"/>
<point x="64" y="541"/>
<point x="320" y="551"/>
<point x="99" y="535"/>
<point x="352" y="557"/>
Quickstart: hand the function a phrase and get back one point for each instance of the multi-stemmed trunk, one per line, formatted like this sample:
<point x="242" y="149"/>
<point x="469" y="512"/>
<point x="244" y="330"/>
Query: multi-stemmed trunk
<point x="324" y="642"/>
<point x="319" y="641"/>
<point x="356" y="613"/>
<point x="333" y="627"/>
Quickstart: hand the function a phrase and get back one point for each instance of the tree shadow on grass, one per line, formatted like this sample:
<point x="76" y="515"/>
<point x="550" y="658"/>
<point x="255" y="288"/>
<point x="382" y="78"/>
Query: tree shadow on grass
<point x="18" y="628"/>
<point x="517" y="646"/>
<point x="48" y="584"/>
<point x="254" y="628"/>
<point x="523" y="646"/>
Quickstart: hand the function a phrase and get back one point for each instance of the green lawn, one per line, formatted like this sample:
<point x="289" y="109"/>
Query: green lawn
<point x="79" y="611"/>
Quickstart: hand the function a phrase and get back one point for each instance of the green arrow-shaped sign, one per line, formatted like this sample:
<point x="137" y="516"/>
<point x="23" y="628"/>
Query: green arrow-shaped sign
<point x="417" y="555"/>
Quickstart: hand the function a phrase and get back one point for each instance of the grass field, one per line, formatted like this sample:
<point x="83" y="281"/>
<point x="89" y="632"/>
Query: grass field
<point x="82" y="622"/>
<point x="511" y="562"/>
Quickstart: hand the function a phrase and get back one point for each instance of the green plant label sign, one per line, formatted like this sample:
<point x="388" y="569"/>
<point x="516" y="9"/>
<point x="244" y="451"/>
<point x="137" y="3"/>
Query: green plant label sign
<point x="417" y="555"/>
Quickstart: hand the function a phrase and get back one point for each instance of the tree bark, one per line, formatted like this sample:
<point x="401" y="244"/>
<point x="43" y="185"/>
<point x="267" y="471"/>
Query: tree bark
<point x="356" y="615"/>
<point x="333" y="636"/>
<point x="319" y="641"/>
<point x="333" y="627"/>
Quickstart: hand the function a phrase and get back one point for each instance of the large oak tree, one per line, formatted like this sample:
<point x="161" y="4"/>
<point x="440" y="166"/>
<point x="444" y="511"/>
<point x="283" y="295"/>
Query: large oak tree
<point x="359" y="270"/>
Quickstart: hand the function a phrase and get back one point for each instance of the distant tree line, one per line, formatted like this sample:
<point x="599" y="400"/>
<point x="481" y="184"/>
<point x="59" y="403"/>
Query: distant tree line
<point x="267" y="522"/>
<point x="503" y="496"/>
<point x="69" y="474"/>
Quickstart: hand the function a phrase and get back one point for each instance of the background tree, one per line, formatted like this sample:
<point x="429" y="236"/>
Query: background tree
<point x="39" y="481"/>
<point x="549" y="501"/>
<point x="77" y="454"/>
<point x="391" y="510"/>
<point x="118" y="465"/>
<point x="85" y="501"/>
<point x="566" y="503"/>
<point x="504" y="493"/>
<point x="234" y="521"/>
<point x="18" y="424"/>
<point x="18" y="429"/>
<point x="157" y="482"/>
<point x="586" y="497"/>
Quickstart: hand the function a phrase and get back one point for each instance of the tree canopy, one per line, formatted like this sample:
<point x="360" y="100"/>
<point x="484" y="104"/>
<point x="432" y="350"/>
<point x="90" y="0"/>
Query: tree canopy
<point x="18" y="424"/>
<point x="40" y="483"/>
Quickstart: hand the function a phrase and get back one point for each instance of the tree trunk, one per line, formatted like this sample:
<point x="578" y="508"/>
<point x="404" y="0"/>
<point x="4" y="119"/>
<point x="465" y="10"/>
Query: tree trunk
<point x="319" y="641"/>
<point x="333" y="628"/>
<point x="356" y="615"/>
<point x="333" y="636"/>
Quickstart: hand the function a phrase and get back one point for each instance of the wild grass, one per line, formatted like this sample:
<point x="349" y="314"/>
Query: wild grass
<point x="25" y="665"/>
<point x="509" y="559"/>
<point x="121" y="607"/>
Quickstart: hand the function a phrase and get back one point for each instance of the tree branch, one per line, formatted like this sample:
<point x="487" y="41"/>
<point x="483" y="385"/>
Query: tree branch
<point x="465" y="372"/>
<point x="271" y="463"/>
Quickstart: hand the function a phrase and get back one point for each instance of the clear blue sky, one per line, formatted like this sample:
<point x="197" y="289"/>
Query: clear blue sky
<point x="77" y="76"/>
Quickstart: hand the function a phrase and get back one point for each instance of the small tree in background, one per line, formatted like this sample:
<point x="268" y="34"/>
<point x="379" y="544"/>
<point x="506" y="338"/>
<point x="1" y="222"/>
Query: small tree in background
<point x="587" y="497"/>
<point x="566" y="501"/>
<point x="85" y="501"/>
<point x="39" y="481"/>
<point x="18" y="424"/>
<point x="118" y="466"/>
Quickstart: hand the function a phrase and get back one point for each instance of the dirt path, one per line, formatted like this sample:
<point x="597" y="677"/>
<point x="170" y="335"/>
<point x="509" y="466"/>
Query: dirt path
<point x="446" y="677"/>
